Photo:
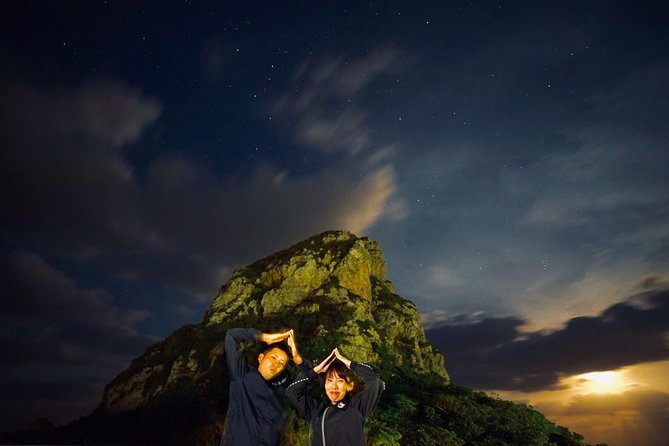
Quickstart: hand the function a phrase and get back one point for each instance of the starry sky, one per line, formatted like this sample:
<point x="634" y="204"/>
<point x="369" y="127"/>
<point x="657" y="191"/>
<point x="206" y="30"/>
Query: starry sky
<point x="510" y="157"/>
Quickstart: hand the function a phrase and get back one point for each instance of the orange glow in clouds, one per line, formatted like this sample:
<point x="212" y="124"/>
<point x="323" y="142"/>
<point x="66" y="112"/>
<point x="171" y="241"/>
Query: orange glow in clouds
<point x="603" y="382"/>
<point x="627" y="406"/>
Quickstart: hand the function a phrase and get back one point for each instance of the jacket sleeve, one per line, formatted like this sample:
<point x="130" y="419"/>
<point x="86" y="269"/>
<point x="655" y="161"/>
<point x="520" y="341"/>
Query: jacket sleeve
<point x="367" y="400"/>
<point x="297" y="394"/>
<point x="233" y="355"/>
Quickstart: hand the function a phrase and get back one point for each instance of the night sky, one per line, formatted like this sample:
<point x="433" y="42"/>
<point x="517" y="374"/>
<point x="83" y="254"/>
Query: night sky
<point x="510" y="157"/>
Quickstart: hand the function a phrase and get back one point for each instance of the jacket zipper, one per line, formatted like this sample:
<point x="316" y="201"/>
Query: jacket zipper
<point x="323" y="424"/>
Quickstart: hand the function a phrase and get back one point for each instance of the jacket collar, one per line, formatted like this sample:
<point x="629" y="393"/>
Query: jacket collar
<point x="279" y="380"/>
<point x="343" y="404"/>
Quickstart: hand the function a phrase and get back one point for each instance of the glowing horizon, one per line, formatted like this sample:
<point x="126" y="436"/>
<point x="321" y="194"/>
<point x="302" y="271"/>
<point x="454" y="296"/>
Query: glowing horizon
<point x="608" y="406"/>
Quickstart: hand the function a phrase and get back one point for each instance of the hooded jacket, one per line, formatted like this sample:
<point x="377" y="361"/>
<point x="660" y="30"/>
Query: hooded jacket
<point x="340" y="424"/>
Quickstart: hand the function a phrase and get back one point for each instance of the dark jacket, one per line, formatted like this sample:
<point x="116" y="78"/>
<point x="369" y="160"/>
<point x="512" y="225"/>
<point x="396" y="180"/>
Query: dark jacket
<point x="341" y="424"/>
<point x="255" y="406"/>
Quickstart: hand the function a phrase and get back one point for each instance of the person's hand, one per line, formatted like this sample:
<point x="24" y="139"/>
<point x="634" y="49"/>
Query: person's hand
<point x="342" y="358"/>
<point x="273" y="338"/>
<point x="323" y="366"/>
<point x="292" y="344"/>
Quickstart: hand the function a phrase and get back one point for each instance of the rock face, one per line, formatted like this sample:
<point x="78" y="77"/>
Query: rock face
<point x="332" y="289"/>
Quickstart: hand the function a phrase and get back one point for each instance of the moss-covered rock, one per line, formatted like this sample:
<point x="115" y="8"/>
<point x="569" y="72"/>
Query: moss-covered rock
<point x="334" y="281"/>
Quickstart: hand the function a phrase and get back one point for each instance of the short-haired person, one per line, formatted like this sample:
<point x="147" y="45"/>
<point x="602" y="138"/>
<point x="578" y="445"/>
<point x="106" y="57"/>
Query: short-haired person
<point x="256" y="398"/>
<point x="341" y="421"/>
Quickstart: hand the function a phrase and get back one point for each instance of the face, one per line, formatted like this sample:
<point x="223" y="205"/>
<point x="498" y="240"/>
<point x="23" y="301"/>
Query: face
<point x="336" y="387"/>
<point x="272" y="362"/>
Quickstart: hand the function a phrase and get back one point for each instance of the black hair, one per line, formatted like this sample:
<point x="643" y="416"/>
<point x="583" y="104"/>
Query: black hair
<point x="340" y="370"/>
<point x="283" y="346"/>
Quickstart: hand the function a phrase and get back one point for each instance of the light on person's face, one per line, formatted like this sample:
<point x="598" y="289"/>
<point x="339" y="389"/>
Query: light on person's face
<point x="336" y="388"/>
<point x="271" y="363"/>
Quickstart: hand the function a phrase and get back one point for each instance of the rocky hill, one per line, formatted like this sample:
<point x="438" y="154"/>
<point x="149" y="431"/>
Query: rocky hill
<point x="332" y="290"/>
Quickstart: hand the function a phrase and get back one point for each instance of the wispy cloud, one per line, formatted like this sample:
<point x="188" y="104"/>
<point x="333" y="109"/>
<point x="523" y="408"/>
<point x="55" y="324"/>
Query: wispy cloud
<point x="325" y="109"/>
<point x="547" y="230"/>
<point x="175" y="222"/>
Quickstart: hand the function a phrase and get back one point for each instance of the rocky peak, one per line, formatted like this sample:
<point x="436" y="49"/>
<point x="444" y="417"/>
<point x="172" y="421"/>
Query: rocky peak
<point x="335" y="260"/>
<point x="331" y="288"/>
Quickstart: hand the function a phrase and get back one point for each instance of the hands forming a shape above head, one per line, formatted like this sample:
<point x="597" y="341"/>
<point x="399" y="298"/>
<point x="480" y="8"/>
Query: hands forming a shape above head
<point x="334" y="355"/>
<point x="289" y="337"/>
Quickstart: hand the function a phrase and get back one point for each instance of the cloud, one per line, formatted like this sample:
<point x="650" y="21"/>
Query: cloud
<point x="612" y="171"/>
<point x="58" y="326"/>
<point x="99" y="111"/>
<point x="70" y="190"/>
<point x="548" y="302"/>
<point x="639" y="416"/>
<point x="324" y="111"/>
<point x="79" y="336"/>
<point x="58" y="400"/>
<point x="65" y="182"/>
<point x="590" y="196"/>
<point x="231" y="220"/>
<point x="493" y="353"/>
<point x="603" y="177"/>
<point x="376" y="191"/>
<point x="37" y="290"/>
<point x="55" y="321"/>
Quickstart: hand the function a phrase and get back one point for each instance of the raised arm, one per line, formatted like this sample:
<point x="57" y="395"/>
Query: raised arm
<point x="233" y="355"/>
<point x="297" y="394"/>
<point x="367" y="400"/>
<point x="292" y="344"/>
<point x="235" y="336"/>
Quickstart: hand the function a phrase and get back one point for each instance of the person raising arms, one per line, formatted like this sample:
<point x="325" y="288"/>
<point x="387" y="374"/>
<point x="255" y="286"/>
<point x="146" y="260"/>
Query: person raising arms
<point x="255" y="401"/>
<point x="341" y="422"/>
